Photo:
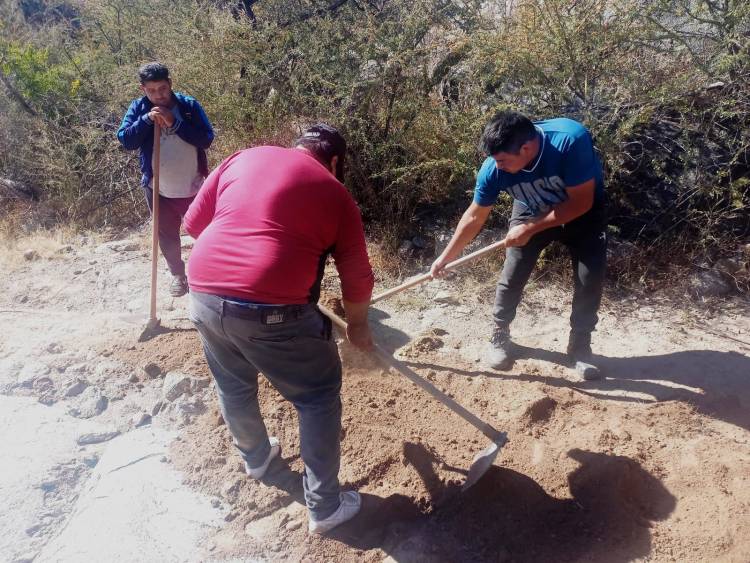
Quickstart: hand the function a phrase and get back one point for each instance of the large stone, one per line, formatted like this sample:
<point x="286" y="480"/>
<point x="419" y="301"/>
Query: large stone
<point x="76" y="388"/>
<point x="709" y="283"/>
<point x="31" y="255"/>
<point x="91" y="403"/>
<point x="96" y="437"/>
<point x="445" y="297"/>
<point x="175" y="385"/>
<point x="152" y="370"/>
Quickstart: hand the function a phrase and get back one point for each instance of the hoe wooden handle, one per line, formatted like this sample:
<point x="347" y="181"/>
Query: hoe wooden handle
<point x="451" y="266"/>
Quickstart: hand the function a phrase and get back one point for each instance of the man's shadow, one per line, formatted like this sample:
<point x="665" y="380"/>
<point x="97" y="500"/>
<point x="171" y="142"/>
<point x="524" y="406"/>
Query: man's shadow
<point x="507" y="516"/>
<point x="716" y="383"/>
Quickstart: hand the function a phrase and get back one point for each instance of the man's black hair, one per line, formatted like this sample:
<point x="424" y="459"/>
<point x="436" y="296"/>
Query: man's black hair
<point x="152" y="72"/>
<point x="325" y="142"/>
<point x="507" y="131"/>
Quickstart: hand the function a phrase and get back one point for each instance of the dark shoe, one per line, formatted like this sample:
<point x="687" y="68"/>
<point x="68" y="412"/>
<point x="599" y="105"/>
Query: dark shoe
<point x="350" y="504"/>
<point x="579" y="352"/>
<point x="179" y="286"/>
<point x="499" y="349"/>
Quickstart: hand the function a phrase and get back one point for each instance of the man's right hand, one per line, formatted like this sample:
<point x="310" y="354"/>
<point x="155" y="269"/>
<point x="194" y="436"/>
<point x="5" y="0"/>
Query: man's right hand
<point x="359" y="335"/>
<point x="437" y="270"/>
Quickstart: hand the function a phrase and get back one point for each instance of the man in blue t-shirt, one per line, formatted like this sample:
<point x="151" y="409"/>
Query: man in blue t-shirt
<point x="552" y="172"/>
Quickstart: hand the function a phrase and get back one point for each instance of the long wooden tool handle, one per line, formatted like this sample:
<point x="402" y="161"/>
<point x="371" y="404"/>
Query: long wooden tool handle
<point x="450" y="266"/>
<point x="415" y="378"/>
<point x="155" y="218"/>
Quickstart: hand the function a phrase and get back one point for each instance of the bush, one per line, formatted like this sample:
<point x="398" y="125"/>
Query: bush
<point x="663" y="86"/>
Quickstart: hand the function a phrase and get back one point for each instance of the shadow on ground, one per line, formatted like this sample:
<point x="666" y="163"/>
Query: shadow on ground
<point x="716" y="383"/>
<point x="507" y="516"/>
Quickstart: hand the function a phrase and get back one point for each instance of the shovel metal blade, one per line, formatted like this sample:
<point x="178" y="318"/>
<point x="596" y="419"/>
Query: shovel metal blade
<point x="483" y="461"/>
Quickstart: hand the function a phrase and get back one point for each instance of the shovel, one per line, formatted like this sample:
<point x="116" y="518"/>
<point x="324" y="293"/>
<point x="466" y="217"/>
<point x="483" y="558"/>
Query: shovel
<point x="450" y="266"/>
<point x="484" y="459"/>
<point x="152" y="325"/>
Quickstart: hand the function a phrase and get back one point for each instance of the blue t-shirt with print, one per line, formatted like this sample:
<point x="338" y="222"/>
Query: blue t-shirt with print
<point x="566" y="158"/>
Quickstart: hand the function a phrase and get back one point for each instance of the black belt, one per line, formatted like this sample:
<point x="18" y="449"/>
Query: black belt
<point x="264" y="313"/>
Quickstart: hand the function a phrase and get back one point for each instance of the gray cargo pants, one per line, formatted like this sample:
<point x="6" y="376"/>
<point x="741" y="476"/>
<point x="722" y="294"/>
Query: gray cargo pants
<point x="292" y="346"/>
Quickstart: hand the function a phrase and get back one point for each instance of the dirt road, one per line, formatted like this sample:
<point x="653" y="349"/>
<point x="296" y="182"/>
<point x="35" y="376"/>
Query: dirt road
<point x="652" y="463"/>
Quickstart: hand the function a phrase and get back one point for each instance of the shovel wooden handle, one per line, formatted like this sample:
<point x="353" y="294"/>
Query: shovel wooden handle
<point x="450" y="266"/>
<point x="155" y="219"/>
<point x="417" y="380"/>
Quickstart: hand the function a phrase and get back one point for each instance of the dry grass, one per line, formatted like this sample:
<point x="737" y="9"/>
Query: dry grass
<point x="47" y="244"/>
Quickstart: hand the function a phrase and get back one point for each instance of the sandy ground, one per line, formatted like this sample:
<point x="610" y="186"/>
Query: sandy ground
<point x="649" y="464"/>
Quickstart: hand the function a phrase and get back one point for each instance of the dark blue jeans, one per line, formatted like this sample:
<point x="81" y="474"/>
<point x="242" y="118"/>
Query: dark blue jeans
<point x="586" y="239"/>
<point x="293" y="348"/>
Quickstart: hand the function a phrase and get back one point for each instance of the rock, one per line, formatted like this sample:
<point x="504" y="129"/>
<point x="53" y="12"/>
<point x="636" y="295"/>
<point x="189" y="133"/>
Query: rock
<point x="76" y="388"/>
<point x="175" y="384"/>
<point x="133" y="378"/>
<point x="30" y="372"/>
<point x="191" y="406"/>
<point x="31" y="255"/>
<point x="216" y="503"/>
<point x="445" y="297"/>
<point x="152" y="370"/>
<point x="156" y="408"/>
<point x="53" y="348"/>
<point x="96" y="437"/>
<point x="200" y="383"/>
<point x="91" y="460"/>
<point x="620" y="251"/>
<point x="293" y="525"/>
<point x="140" y="419"/>
<point x="186" y="241"/>
<point x="709" y="283"/>
<point x="406" y="249"/>
<point x="91" y="403"/>
<point x="118" y="246"/>
<point x="728" y="266"/>
<point x="65" y="249"/>
<point x="230" y="489"/>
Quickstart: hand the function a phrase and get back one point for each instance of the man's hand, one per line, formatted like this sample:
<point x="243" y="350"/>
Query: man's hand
<point x="519" y="235"/>
<point x="437" y="270"/>
<point x="359" y="334"/>
<point x="161" y="116"/>
<point x="357" y="328"/>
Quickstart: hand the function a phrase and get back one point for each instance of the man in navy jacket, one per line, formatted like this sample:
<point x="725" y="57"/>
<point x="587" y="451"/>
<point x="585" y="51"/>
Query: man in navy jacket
<point x="185" y="135"/>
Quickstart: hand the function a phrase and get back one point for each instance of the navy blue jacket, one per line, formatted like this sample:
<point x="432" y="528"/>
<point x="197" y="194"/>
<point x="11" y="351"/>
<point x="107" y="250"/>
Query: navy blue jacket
<point x="137" y="131"/>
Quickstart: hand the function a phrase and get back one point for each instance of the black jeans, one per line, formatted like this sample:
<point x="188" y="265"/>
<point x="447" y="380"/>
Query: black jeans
<point x="586" y="239"/>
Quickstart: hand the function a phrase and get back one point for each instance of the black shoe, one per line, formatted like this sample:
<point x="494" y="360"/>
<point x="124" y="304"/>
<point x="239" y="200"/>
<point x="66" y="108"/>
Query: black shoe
<point x="579" y="352"/>
<point x="499" y="349"/>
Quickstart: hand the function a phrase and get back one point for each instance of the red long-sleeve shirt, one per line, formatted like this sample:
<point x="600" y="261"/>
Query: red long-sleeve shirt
<point x="265" y="219"/>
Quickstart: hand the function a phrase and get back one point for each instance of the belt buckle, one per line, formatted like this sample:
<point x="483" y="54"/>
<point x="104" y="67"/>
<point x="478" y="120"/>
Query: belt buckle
<point x="274" y="318"/>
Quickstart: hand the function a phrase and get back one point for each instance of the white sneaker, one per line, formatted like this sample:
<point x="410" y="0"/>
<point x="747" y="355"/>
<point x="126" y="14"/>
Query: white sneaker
<point x="350" y="501"/>
<point x="258" y="472"/>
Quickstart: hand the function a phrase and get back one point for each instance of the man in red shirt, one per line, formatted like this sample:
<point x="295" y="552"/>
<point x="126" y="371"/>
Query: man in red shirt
<point x="265" y="221"/>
